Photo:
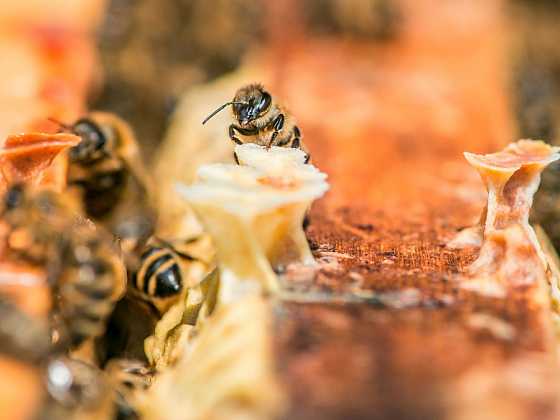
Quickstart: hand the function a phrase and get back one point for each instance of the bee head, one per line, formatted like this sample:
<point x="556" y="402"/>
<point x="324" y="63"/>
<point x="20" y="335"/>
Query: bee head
<point x="249" y="103"/>
<point x="94" y="141"/>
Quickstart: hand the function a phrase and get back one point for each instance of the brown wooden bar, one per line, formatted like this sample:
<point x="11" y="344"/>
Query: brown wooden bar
<point x="388" y="329"/>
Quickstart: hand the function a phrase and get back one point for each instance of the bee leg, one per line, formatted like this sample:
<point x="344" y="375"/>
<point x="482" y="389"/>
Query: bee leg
<point x="277" y="125"/>
<point x="236" y="158"/>
<point x="232" y="135"/>
<point x="271" y="141"/>
<point x="296" y="142"/>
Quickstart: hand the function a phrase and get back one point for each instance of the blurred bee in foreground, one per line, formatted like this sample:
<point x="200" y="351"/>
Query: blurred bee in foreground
<point x="92" y="277"/>
<point x="83" y="267"/>
<point x="378" y="20"/>
<point x="76" y="389"/>
<point x="22" y="336"/>
<point x="36" y="221"/>
<point x="261" y="120"/>
<point x="105" y="164"/>
<point x="73" y="388"/>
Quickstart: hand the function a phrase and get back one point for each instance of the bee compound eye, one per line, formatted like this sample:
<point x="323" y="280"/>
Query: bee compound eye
<point x="237" y="108"/>
<point x="91" y="135"/>
<point x="264" y="102"/>
<point x="246" y="113"/>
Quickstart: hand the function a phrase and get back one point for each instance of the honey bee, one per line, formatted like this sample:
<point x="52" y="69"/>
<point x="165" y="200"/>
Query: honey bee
<point x="90" y="280"/>
<point x="159" y="278"/>
<point x="261" y="120"/>
<point x="105" y="163"/>
<point x="85" y="272"/>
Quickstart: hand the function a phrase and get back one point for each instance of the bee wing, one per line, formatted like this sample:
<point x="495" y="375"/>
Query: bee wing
<point x="132" y="159"/>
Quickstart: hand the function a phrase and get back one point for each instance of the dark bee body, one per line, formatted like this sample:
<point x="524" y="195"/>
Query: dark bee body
<point x="90" y="276"/>
<point x="94" y="168"/>
<point x="259" y="119"/>
<point x="104" y="162"/>
<point x="159" y="274"/>
<point x="109" y="184"/>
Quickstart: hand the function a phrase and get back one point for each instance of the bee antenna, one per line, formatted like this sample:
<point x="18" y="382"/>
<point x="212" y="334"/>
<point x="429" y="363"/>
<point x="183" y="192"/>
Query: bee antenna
<point x="60" y="124"/>
<point x="220" y="108"/>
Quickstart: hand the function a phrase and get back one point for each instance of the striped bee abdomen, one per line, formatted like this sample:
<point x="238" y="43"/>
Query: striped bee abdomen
<point x="85" y="298"/>
<point x="159" y="274"/>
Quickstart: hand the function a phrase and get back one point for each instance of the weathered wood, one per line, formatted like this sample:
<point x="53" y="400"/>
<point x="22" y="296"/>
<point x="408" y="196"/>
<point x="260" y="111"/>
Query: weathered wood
<point x="388" y="124"/>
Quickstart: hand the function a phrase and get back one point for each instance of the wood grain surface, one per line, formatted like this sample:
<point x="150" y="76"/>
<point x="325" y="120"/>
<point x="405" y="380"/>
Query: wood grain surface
<point x="386" y="329"/>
